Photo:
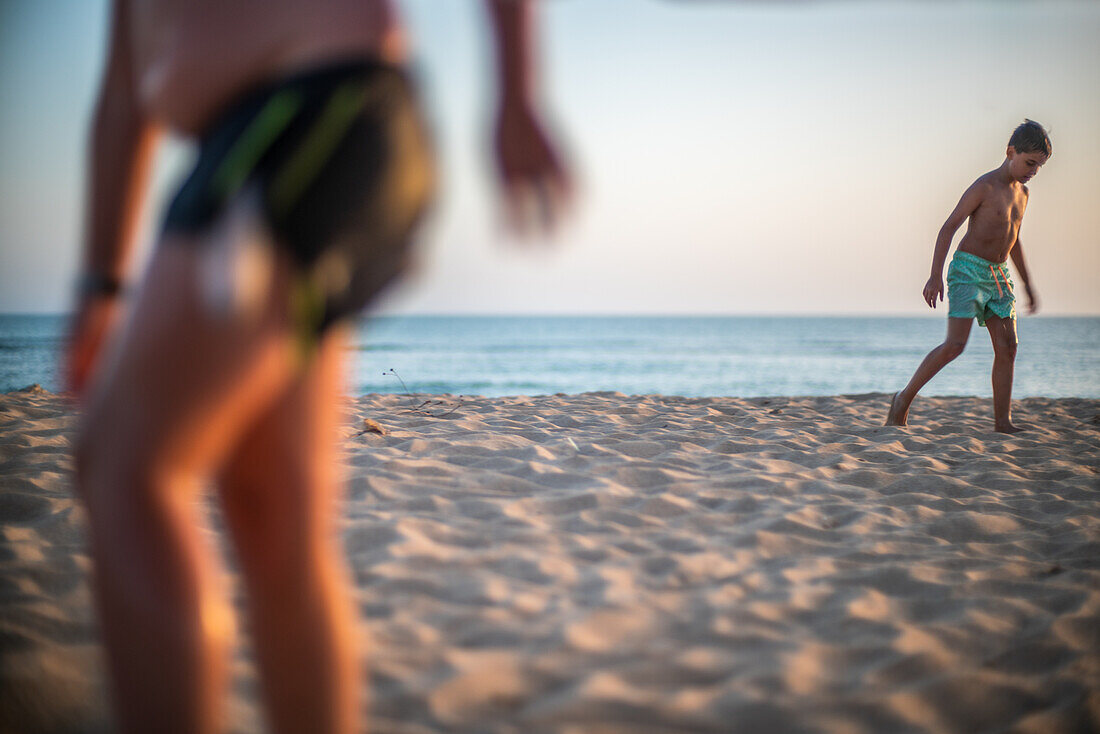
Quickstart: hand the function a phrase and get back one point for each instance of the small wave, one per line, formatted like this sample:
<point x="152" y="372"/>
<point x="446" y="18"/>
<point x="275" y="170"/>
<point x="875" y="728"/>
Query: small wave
<point x="447" y="387"/>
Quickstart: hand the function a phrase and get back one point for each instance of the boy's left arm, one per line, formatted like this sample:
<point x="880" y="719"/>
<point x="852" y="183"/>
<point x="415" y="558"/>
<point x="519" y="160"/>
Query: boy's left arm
<point x="536" y="180"/>
<point x="1017" y="255"/>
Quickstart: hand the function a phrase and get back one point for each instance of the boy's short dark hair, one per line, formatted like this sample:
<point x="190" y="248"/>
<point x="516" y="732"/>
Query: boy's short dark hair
<point x="1030" y="137"/>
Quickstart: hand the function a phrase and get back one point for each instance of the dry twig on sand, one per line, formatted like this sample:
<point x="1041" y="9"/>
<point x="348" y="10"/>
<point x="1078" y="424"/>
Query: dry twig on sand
<point x="422" y="408"/>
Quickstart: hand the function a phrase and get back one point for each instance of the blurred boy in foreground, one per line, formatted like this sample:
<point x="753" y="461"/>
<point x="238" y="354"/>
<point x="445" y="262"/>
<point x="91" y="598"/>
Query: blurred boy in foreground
<point x="314" y="167"/>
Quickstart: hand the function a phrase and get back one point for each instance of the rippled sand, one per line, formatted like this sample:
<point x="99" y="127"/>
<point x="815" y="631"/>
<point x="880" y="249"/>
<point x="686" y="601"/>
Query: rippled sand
<point x="605" y="563"/>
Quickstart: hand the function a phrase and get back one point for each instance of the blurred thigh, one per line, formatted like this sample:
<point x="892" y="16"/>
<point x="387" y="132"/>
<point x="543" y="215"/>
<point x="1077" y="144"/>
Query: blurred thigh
<point x="184" y="379"/>
<point x="279" y="485"/>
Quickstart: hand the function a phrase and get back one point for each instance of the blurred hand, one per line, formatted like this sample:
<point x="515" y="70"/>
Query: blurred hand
<point x="92" y="325"/>
<point x="536" y="186"/>
<point x="1032" y="302"/>
<point x="933" y="291"/>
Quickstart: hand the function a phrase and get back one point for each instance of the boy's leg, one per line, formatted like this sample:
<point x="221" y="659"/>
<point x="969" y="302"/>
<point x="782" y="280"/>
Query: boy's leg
<point x="1002" y="332"/>
<point x="281" y="493"/>
<point x="173" y="399"/>
<point x="958" y="331"/>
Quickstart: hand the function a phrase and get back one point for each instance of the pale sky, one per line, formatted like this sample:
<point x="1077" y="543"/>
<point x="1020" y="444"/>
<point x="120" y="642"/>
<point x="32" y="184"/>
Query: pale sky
<point x="780" y="158"/>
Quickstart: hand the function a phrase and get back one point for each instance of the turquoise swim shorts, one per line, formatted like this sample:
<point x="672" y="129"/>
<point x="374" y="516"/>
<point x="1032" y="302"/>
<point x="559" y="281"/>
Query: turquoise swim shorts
<point x="978" y="288"/>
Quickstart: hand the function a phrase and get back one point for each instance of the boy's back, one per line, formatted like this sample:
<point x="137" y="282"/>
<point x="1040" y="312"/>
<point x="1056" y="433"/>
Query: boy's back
<point x="188" y="59"/>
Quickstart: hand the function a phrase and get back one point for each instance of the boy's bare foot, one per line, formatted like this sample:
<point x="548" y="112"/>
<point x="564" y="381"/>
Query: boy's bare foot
<point x="1006" y="428"/>
<point x="895" y="417"/>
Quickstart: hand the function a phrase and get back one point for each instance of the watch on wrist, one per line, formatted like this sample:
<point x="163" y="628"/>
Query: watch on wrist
<point x="98" y="284"/>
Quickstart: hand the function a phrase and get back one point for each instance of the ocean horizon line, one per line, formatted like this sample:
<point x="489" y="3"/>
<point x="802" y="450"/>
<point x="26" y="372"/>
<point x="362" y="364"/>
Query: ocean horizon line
<point x="670" y="354"/>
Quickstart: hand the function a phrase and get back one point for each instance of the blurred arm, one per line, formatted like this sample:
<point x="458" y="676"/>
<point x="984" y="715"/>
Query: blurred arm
<point x="1017" y="255"/>
<point x="536" y="183"/>
<point x="120" y="151"/>
<point x="512" y="33"/>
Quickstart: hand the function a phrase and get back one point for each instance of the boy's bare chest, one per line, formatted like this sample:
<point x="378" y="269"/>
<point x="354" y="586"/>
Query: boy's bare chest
<point x="999" y="215"/>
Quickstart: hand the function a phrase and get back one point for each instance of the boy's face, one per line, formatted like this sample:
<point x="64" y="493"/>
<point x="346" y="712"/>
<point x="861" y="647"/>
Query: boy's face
<point x="1024" y="166"/>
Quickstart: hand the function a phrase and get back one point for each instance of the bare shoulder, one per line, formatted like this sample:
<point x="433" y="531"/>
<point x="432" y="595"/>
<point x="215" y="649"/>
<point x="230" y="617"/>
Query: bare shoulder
<point x="986" y="182"/>
<point x="977" y="192"/>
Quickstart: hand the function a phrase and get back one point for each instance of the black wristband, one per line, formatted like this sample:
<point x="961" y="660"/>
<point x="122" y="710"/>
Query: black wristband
<point x="98" y="284"/>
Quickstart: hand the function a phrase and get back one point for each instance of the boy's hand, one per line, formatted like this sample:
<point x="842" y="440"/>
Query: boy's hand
<point x="933" y="290"/>
<point x="92" y="325"/>
<point x="1032" y="302"/>
<point x="537" y="186"/>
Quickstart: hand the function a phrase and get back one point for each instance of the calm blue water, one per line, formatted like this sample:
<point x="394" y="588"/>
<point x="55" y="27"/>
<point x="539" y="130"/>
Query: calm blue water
<point x="695" y="356"/>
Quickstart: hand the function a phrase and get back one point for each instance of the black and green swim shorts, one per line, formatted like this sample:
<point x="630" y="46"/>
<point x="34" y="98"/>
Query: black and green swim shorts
<point x="342" y="163"/>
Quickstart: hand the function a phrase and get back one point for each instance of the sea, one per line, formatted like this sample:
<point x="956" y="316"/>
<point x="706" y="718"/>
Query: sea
<point x="741" y="356"/>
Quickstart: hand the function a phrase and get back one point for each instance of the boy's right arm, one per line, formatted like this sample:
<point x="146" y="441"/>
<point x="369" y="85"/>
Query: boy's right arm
<point x="970" y="201"/>
<point x="120" y="151"/>
<point x="535" y="179"/>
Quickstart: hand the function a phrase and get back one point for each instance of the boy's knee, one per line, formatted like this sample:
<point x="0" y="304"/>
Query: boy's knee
<point x="267" y="500"/>
<point x="108" y="465"/>
<point x="952" y="348"/>
<point x="278" y="484"/>
<point x="1005" y="349"/>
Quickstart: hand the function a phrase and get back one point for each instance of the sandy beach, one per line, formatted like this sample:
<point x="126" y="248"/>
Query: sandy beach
<point x="612" y="563"/>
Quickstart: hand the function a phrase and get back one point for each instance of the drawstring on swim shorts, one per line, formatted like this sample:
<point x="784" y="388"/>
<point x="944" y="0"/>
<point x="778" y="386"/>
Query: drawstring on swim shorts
<point x="1001" y="268"/>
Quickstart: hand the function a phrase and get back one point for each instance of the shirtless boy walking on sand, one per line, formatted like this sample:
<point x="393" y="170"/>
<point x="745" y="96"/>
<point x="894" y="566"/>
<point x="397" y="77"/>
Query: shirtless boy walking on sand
<point x="312" y="171"/>
<point x="978" y="284"/>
